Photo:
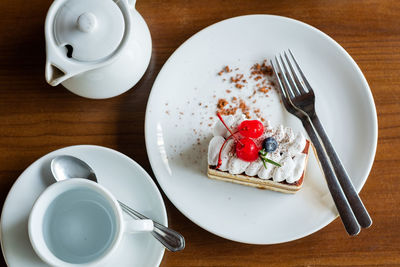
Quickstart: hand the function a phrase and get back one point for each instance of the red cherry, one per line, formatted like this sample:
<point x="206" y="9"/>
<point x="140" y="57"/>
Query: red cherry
<point x="247" y="150"/>
<point x="251" y="128"/>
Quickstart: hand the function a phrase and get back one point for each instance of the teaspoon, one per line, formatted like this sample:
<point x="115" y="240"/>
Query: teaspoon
<point x="66" y="167"/>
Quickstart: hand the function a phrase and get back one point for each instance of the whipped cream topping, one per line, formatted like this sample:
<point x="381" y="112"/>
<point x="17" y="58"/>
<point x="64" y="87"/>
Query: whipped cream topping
<point x="288" y="154"/>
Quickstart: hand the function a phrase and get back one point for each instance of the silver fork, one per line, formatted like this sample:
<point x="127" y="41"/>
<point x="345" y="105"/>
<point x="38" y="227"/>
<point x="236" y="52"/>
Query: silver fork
<point x="302" y="96"/>
<point x="342" y="205"/>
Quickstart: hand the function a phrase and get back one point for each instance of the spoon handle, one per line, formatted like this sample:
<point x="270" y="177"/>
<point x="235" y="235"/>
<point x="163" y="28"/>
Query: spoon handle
<point x="171" y="239"/>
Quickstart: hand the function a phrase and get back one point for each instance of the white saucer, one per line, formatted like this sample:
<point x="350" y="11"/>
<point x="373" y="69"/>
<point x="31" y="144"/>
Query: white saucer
<point x="121" y="175"/>
<point x="184" y="97"/>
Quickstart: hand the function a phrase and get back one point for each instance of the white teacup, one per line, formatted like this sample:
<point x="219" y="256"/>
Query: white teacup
<point x="78" y="222"/>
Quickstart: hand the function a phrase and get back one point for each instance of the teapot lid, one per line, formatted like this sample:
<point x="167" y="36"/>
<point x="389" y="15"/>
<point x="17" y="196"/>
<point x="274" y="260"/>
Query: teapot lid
<point x="89" y="30"/>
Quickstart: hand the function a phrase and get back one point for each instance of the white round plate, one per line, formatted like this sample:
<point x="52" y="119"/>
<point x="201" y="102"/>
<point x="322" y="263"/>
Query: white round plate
<point x="121" y="175"/>
<point x="178" y="127"/>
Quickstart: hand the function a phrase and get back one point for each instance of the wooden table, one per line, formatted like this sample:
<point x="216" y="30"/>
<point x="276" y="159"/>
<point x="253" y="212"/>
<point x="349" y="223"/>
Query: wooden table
<point x="36" y="118"/>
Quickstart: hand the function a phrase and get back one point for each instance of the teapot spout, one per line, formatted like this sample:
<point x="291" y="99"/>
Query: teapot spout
<point x="54" y="75"/>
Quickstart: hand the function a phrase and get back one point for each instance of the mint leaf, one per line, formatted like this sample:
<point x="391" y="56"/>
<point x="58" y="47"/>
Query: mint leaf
<point x="263" y="155"/>
<point x="272" y="162"/>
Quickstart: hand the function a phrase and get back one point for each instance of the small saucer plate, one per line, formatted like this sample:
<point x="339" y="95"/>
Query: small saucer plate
<point x="126" y="179"/>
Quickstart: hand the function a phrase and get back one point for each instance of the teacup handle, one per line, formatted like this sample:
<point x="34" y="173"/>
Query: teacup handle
<point x="135" y="226"/>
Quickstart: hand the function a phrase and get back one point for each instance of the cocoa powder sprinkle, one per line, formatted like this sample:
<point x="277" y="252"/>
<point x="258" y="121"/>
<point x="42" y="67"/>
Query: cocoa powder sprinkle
<point x="258" y="73"/>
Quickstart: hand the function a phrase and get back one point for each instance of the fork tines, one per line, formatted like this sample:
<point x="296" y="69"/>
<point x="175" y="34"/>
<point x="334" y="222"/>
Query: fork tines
<point x="293" y="78"/>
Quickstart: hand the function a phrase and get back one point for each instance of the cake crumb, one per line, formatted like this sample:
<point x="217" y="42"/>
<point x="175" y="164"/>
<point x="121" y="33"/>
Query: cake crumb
<point x="222" y="103"/>
<point x="263" y="90"/>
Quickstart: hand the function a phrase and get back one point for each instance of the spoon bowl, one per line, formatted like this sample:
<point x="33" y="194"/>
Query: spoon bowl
<point x="65" y="167"/>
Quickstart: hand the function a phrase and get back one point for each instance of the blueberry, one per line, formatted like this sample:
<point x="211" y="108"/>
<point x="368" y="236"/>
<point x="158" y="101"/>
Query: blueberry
<point x="270" y="144"/>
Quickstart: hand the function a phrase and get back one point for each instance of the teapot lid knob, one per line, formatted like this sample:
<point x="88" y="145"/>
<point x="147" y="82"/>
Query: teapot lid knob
<point x="87" y="22"/>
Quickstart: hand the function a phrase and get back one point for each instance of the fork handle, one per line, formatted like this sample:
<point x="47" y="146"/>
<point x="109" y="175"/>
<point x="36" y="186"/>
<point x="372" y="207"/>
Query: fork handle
<point x="355" y="202"/>
<point x="342" y="205"/>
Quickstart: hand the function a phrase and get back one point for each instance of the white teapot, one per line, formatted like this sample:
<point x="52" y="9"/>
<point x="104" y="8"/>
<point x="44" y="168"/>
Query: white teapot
<point x="96" y="48"/>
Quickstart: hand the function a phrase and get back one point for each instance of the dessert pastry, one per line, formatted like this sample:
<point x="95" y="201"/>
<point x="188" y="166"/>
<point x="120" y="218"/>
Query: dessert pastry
<point x="250" y="153"/>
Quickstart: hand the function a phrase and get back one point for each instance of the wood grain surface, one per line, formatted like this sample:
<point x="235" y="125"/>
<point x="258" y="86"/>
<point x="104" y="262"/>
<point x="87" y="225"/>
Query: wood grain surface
<point x="36" y="118"/>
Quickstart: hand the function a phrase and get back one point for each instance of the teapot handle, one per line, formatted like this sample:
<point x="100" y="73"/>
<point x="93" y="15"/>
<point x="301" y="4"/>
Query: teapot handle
<point x="132" y="3"/>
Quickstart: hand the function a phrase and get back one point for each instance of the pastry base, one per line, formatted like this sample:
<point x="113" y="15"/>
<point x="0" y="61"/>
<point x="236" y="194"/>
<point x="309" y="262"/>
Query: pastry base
<point x="243" y="179"/>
